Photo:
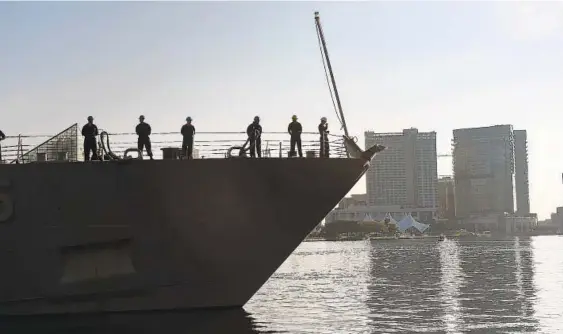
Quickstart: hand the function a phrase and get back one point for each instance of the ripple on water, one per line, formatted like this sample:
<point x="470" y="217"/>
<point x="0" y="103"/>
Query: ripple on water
<point x="505" y="286"/>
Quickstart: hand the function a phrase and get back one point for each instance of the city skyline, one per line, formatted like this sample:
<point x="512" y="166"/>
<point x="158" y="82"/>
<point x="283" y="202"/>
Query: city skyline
<point x="397" y="65"/>
<point x="490" y="172"/>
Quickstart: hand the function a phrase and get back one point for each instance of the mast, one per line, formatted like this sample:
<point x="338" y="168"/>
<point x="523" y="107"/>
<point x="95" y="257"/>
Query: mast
<point x="323" y="42"/>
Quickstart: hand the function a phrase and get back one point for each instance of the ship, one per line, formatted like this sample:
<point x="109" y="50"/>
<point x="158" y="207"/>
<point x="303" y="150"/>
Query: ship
<point x="128" y="234"/>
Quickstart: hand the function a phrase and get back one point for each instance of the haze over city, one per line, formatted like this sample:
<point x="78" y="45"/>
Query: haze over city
<point x="435" y="66"/>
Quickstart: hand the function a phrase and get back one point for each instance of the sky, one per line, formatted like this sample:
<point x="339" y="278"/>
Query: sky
<point x="435" y="66"/>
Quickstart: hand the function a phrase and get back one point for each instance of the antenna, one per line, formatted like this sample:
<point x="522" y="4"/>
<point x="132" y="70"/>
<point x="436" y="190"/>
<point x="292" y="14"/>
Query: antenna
<point x="325" y="54"/>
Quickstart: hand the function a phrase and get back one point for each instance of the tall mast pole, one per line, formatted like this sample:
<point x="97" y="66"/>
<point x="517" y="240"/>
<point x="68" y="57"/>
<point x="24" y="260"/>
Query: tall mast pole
<point x="321" y="35"/>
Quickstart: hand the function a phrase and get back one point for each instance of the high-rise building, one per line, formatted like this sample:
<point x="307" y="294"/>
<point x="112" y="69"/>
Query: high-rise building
<point x="406" y="173"/>
<point x="446" y="198"/>
<point x="483" y="160"/>
<point x="521" y="172"/>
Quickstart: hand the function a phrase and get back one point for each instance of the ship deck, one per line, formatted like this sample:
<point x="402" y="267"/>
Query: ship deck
<point x="68" y="145"/>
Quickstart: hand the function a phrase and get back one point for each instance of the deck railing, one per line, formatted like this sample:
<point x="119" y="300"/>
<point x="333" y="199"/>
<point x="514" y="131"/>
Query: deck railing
<point x="68" y="146"/>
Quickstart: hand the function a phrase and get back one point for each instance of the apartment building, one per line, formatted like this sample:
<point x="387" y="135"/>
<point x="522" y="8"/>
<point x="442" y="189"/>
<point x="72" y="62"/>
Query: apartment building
<point x="446" y="198"/>
<point x="521" y="172"/>
<point x="483" y="160"/>
<point x="406" y="173"/>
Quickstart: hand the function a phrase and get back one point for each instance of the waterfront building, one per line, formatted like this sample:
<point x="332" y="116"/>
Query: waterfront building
<point x="405" y="175"/>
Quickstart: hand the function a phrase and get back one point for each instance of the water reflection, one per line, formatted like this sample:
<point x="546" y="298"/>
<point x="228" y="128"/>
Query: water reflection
<point x="492" y="298"/>
<point x="321" y="288"/>
<point x="548" y="281"/>
<point x="519" y="276"/>
<point x="224" y="321"/>
<point x="404" y="290"/>
<point x="450" y="283"/>
<point x="469" y="286"/>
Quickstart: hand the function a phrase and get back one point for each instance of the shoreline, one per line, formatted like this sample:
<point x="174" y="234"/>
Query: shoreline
<point x="423" y="237"/>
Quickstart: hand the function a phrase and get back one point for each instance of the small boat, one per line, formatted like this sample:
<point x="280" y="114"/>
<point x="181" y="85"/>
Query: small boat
<point x="441" y="237"/>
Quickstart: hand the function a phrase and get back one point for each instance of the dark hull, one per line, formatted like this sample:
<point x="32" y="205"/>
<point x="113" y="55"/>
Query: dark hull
<point x="235" y="321"/>
<point x="156" y="235"/>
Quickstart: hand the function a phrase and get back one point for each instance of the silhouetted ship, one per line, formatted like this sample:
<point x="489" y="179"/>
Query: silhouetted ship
<point x="128" y="234"/>
<point x="134" y="234"/>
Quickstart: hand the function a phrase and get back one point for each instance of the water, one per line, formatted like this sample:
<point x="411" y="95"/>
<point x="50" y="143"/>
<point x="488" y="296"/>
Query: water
<point x="473" y="286"/>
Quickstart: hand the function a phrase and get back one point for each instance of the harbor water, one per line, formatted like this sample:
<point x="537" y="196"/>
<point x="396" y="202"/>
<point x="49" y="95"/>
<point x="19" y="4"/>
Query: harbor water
<point x="396" y="286"/>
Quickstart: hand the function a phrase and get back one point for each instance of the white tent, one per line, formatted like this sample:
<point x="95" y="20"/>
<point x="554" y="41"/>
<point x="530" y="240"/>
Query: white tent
<point x="391" y="219"/>
<point x="367" y="218"/>
<point x="408" y="222"/>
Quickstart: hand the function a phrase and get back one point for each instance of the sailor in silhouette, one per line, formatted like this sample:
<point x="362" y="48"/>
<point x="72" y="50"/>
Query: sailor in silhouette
<point x="323" y="131"/>
<point x="144" y="131"/>
<point x="254" y="132"/>
<point x="294" y="129"/>
<point x="188" y="132"/>
<point x="90" y="132"/>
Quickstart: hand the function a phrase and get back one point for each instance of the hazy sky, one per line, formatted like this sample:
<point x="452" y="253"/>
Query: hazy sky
<point x="431" y="65"/>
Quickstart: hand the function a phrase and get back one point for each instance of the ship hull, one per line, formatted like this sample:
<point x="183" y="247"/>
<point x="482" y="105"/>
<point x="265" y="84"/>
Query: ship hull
<point x="156" y="235"/>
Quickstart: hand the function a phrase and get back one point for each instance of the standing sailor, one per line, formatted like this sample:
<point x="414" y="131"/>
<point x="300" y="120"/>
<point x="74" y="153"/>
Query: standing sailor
<point x="323" y="131"/>
<point x="188" y="132"/>
<point x="254" y="132"/>
<point x="90" y="131"/>
<point x="294" y="129"/>
<point x="144" y="131"/>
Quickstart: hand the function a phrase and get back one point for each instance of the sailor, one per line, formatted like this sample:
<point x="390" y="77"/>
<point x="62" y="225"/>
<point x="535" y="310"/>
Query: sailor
<point x="294" y="129"/>
<point x="254" y="132"/>
<point x="323" y="131"/>
<point x="188" y="132"/>
<point x="90" y="131"/>
<point x="143" y="130"/>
